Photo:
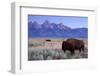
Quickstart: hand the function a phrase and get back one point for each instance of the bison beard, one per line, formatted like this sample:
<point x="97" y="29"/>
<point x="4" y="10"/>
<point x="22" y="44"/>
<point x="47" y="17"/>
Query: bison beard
<point x="72" y="45"/>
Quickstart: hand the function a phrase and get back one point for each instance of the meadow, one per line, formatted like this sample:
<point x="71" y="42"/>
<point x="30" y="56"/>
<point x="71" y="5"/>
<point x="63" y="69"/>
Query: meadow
<point x="51" y="49"/>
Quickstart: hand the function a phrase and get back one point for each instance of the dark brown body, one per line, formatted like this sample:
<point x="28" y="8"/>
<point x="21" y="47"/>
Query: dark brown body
<point x="72" y="45"/>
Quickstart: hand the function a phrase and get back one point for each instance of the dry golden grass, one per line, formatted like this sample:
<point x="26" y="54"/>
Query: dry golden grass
<point x="53" y="44"/>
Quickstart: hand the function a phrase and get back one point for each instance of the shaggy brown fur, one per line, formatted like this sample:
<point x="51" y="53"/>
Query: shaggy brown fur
<point x="72" y="45"/>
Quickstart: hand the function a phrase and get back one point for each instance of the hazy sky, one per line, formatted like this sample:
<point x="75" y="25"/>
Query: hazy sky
<point x="71" y="21"/>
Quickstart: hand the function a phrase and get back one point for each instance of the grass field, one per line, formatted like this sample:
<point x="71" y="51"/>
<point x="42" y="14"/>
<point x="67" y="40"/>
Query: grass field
<point x="51" y="49"/>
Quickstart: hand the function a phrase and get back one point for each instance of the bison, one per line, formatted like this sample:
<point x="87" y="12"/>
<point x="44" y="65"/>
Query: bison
<point x="48" y="40"/>
<point x="72" y="45"/>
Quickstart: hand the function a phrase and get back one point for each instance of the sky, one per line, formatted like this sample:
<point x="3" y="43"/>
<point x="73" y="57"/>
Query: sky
<point x="71" y="21"/>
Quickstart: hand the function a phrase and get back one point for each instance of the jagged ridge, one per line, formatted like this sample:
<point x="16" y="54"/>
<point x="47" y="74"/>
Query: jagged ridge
<point x="48" y="29"/>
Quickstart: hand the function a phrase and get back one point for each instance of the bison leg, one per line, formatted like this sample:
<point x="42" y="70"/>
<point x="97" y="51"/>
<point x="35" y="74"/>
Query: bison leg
<point x="64" y="51"/>
<point x="83" y="49"/>
<point x="72" y="52"/>
<point x="80" y="50"/>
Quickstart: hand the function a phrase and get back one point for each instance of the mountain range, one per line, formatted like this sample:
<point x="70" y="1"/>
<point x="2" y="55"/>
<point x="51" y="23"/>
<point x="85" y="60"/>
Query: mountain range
<point x="53" y="30"/>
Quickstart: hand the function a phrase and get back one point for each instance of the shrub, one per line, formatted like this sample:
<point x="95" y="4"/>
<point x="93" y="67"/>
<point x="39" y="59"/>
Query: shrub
<point x="50" y="54"/>
<point x="49" y="57"/>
